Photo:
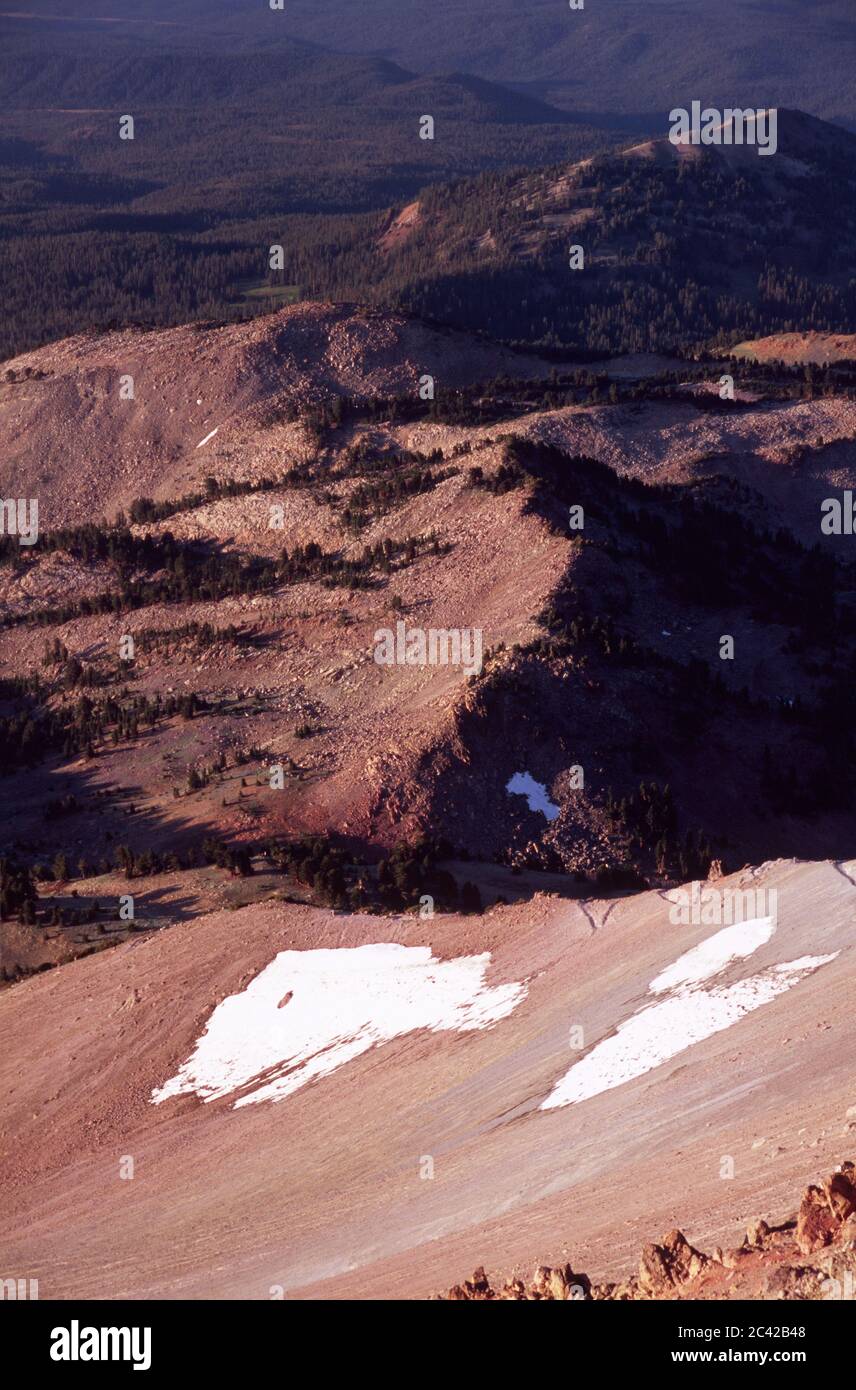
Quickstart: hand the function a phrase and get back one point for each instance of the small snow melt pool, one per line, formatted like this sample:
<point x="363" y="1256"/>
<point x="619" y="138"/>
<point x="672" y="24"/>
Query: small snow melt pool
<point x="524" y="784"/>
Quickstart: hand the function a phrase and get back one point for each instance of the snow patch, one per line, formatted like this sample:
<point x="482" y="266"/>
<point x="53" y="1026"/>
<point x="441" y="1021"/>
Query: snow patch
<point x="524" y="784"/>
<point x="653" y="1036"/>
<point x="659" y="1032"/>
<point x="713" y="955"/>
<point x="309" y="1012"/>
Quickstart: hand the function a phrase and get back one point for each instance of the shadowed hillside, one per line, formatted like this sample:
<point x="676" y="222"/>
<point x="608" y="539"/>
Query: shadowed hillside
<point x="682" y="246"/>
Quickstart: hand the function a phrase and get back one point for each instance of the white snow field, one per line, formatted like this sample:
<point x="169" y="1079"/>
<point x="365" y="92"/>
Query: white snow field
<point x="327" y="1194"/>
<point x="309" y="1012"/>
<point x="712" y="956"/>
<point x="653" y="1035"/>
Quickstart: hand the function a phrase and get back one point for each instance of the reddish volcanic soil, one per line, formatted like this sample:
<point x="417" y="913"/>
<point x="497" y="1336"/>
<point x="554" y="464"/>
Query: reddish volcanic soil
<point x="324" y="1193"/>
<point x="320" y="1193"/>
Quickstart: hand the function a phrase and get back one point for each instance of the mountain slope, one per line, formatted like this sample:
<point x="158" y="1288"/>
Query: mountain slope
<point x="98" y="69"/>
<point x="193" y="379"/>
<point x="682" y="245"/>
<point x="620" y="56"/>
<point x="699" y="522"/>
<point x="325" y="1191"/>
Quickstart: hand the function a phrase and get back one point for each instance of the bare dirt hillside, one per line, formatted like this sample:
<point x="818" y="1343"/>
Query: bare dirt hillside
<point x="206" y="399"/>
<point x="287" y="496"/>
<point x="545" y="1143"/>
<point x="818" y="348"/>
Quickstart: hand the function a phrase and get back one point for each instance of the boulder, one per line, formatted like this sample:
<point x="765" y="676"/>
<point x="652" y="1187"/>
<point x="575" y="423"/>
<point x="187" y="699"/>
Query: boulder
<point x="553" y="1283"/>
<point x="669" y="1265"/>
<point x="756" y="1234"/>
<point x="815" y="1222"/>
<point x="825" y="1210"/>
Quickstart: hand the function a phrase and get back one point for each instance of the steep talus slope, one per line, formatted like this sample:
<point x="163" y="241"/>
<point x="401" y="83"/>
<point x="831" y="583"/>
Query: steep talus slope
<point x="296" y="653"/>
<point x="329" y="1190"/>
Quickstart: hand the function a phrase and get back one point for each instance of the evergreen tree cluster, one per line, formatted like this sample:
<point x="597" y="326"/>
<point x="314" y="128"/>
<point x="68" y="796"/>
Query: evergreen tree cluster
<point x="17" y="891"/>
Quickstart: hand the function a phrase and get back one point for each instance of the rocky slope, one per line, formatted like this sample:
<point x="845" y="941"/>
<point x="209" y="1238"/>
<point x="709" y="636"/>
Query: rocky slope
<point x="315" y="412"/>
<point x="90" y="423"/>
<point x="810" y="1257"/>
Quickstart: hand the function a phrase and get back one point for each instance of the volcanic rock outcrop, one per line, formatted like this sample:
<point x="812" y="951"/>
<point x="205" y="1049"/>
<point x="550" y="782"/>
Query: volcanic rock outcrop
<point x="770" y="1263"/>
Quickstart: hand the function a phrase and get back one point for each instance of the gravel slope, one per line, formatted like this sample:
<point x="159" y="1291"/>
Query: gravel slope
<point x="321" y="1193"/>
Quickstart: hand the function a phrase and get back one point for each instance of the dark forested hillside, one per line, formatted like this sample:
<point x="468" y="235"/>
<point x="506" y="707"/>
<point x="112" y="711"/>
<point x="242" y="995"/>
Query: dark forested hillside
<point x="678" y="251"/>
<point x="247" y="138"/>
<point x="233" y="150"/>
